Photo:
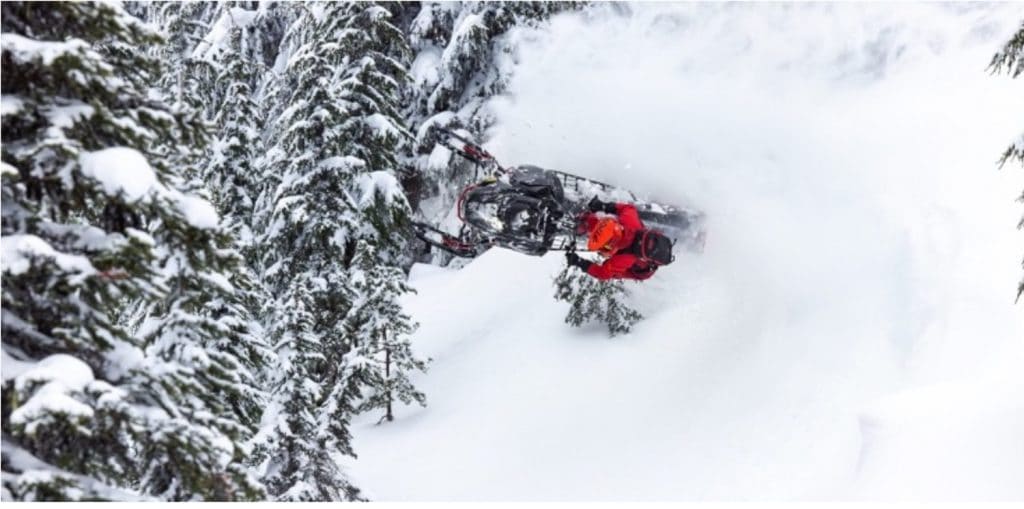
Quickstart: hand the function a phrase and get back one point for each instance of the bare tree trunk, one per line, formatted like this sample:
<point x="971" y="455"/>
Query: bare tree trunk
<point x="387" y="376"/>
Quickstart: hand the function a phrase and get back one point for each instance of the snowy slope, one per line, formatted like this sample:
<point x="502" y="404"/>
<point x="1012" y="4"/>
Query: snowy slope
<point x="849" y="332"/>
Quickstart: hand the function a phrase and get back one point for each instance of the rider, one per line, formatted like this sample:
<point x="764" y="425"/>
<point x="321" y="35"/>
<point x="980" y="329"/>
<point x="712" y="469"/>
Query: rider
<point x="612" y="238"/>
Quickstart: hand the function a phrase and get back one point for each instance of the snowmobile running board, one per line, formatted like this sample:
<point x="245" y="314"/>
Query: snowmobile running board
<point x="445" y="241"/>
<point x="464" y="249"/>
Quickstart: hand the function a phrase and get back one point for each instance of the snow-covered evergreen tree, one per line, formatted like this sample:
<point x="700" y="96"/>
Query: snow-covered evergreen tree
<point x="137" y="286"/>
<point x="90" y="163"/>
<point x="311" y="216"/>
<point x="382" y="358"/>
<point x="462" y="52"/>
<point x="202" y="323"/>
<point x="330" y="187"/>
<point x="372" y="57"/>
<point x="186" y="80"/>
<point x="202" y="365"/>
<point x="299" y="451"/>
<point x="1011" y="61"/>
<point x="232" y="172"/>
<point x="592" y="299"/>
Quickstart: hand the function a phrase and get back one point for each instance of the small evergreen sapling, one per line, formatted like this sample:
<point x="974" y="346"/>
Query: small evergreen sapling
<point x="592" y="299"/>
<point x="1011" y="61"/>
<point x="383" y="358"/>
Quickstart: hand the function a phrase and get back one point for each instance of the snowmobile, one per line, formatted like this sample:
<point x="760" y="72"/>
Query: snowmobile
<point x="534" y="210"/>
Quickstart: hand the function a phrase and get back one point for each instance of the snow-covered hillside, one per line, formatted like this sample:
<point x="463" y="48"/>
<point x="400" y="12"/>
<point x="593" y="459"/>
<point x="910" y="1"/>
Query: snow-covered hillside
<point x="850" y="330"/>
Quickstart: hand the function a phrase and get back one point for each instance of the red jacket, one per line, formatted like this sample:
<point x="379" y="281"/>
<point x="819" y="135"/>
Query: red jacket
<point x="621" y="265"/>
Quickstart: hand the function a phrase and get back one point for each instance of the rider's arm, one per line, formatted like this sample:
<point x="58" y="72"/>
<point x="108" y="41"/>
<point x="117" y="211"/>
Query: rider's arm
<point x="613" y="267"/>
<point x="628" y="216"/>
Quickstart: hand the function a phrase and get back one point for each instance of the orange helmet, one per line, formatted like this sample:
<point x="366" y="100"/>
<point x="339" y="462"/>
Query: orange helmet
<point x="605" y="234"/>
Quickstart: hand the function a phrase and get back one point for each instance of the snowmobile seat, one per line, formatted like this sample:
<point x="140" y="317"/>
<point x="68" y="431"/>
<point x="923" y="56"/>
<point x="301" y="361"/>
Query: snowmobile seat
<point x="537" y="182"/>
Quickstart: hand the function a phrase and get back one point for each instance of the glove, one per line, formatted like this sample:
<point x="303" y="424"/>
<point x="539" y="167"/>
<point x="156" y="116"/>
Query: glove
<point x="574" y="260"/>
<point x="596" y="205"/>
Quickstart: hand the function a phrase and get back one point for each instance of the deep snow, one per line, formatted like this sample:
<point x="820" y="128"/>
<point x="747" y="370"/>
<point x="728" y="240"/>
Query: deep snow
<point x="849" y="331"/>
